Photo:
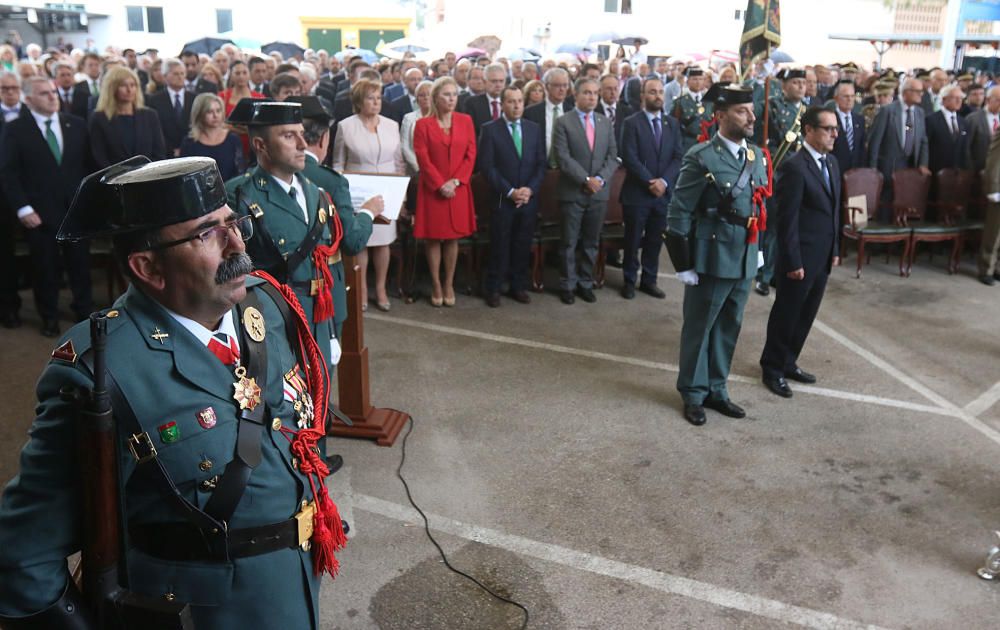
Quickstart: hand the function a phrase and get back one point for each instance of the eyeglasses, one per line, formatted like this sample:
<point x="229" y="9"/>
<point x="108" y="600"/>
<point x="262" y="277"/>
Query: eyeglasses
<point x="829" y="128"/>
<point x="220" y="233"/>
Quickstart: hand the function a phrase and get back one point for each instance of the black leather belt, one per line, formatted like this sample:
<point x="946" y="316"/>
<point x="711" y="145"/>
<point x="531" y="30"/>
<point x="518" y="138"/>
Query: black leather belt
<point x="732" y="218"/>
<point x="184" y="542"/>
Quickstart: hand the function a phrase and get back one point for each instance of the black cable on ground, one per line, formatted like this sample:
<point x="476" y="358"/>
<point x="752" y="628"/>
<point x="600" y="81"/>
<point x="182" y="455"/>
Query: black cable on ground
<point x="427" y="530"/>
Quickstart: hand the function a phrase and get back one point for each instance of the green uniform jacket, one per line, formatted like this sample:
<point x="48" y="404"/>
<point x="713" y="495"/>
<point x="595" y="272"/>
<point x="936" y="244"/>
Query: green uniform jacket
<point x="780" y="121"/>
<point x="718" y="248"/>
<point x="357" y="228"/>
<point x="168" y="380"/>
<point x="256" y="190"/>
<point x="686" y="110"/>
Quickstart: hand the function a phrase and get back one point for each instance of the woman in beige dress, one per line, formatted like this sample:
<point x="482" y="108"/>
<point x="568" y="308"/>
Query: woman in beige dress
<point x="369" y="143"/>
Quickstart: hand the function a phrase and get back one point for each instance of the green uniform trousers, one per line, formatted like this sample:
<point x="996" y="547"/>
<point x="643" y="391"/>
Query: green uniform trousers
<point x="713" y="315"/>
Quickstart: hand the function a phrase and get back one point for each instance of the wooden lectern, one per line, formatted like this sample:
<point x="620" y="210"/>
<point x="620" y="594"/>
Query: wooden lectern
<point x="381" y="425"/>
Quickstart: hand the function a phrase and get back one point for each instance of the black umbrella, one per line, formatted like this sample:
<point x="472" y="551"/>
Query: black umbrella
<point x="205" y="45"/>
<point x="287" y="49"/>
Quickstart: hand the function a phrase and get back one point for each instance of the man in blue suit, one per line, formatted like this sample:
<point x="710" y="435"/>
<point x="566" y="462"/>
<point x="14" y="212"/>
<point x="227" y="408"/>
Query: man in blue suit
<point x="849" y="147"/>
<point x="512" y="157"/>
<point x="651" y="153"/>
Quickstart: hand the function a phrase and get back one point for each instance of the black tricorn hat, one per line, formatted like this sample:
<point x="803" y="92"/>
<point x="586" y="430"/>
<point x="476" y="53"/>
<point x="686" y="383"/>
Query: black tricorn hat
<point x="694" y="71"/>
<point x="713" y="92"/>
<point x="795" y="73"/>
<point x="137" y="195"/>
<point x="312" y="108"/>
<point x="270" y="113"/>
<point x="243" y="111"/>
<point x="733" y="94"/>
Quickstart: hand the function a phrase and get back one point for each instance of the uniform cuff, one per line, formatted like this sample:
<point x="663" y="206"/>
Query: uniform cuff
<point x="368" y="212"/>
<point x="24" y="211"/>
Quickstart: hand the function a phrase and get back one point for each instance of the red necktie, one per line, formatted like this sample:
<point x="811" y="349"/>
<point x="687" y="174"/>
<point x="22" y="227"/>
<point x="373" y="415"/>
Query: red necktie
<point x="496" y="109"/>
<point x="996" y="124"/>
<point x="224" y="347"/>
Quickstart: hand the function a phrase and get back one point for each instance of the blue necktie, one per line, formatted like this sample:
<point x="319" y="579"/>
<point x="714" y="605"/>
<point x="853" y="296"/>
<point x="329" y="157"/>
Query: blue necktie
<point x="657" y="131"/>
<point x="826" y="175"/>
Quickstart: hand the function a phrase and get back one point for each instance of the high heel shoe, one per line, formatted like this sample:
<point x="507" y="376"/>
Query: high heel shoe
<point x="448" y="301"/>
<point x="436" y="301"/>
<point x="383" y="307"/>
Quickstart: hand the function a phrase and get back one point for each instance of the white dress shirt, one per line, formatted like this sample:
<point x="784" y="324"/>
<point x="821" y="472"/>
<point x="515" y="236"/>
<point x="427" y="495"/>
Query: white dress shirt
<point x="733" y="147"/>
<point x="300" y="195"/>
<point x="550" y="123"/>
<point x="203" y="334"/>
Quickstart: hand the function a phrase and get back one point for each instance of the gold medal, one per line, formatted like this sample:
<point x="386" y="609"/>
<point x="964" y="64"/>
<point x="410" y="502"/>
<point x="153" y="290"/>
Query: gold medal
<point x="751" y="156"/>
<point x="246" y="392"/>
<point x="253" y="322"/>
<point x="322" y="215"/>
<point x="701" y="110"/>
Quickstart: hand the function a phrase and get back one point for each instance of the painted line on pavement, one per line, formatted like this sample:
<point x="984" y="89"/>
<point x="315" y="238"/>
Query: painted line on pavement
<point x="655" y="365"/>
<point x="984" y="402"/>
<point x="582" y="561"/>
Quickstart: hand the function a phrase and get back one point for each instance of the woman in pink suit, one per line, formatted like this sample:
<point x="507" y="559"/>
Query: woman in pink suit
<point x="445" y="145"/>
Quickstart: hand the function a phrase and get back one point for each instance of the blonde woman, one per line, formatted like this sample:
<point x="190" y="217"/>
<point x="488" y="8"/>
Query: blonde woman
<point x="8" y="58"/>
<point x="121" y="126"/>
<point x="368" y="142"/>
<point x="210" y="137"/>
<point x="210" y="72"/>
<point x="423" y="93"/>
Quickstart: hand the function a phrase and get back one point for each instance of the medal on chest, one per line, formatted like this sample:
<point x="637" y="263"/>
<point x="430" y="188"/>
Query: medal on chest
<point x="297" y="393"/>
<point x="246" y="391"/>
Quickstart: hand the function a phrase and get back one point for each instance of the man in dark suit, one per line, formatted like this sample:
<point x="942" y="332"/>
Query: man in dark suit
<point x="43" y="157"/>
<point x="173" y="106"/>
<point x="947" y="132"/>
<point x="982" y="124"/>
<point x="485" y="107"/>
<point x="615" y="110"/>
<point x="10" y="302"/>
<point x="90" y="65"/>
<point x="808" y="233"/>
<point x="556" y="103"/>
<point x="192" y="80"/>
<point x="512" y="157"/>
<point x="583" y="142"/>
<point x="898" y="139"/>
<point x="651" y="153"/>
<point x="408" y="101"/>
<point x="64" y="76"/>
<point x="258" y="76"/>
<point x="849" y="148"/>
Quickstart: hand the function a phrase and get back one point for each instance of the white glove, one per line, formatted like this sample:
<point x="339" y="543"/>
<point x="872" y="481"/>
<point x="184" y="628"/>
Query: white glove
<point x="760" y="259"/>
<point x="994" y="197"/>
<point x="334" y="351"/>
<point x="689" y="277"/>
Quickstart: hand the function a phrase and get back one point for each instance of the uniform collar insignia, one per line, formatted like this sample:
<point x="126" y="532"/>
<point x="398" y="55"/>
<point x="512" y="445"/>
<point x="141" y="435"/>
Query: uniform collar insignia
<point x="65" y="352"/>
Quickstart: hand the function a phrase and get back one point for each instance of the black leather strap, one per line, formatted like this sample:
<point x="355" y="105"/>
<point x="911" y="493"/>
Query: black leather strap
<point x="233" y="481"/>
<point x="183" y="542"/>
<point x="305" y="248"/>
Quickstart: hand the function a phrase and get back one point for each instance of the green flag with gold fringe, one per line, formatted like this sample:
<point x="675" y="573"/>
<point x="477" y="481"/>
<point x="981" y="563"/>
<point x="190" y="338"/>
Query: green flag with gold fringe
<point x="761" y="32"/>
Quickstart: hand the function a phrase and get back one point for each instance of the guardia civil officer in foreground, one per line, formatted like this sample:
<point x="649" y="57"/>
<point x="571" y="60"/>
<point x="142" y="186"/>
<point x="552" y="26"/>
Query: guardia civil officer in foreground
<point x="214" y="463"/>
<point x="296" y="235"/>
<point x="357" y="227"/>
<point x="711" y="236"/>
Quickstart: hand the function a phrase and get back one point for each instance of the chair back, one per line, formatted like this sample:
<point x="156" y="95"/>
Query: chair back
<point x="954" y="190"/>
<point x="548" y="199"/>
<point x="857" y="182"/>
<point x="615" y="214"/>
<point x="483" y="199"/>
<point x="910" y="189"/>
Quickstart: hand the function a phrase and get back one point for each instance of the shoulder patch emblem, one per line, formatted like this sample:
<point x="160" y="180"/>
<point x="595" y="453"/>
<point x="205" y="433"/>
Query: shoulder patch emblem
<point x="65" y="352"/>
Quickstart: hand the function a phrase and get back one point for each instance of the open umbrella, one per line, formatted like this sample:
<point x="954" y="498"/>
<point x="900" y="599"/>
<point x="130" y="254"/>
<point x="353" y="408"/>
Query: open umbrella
<point x="725" y="55"/>
<point x="287" y="49"/>
<point x="247" y="43"/>
<point x="604" y="36"/>
<point x="522" y="54"/>
<point x="489" y="43"/>
<point x="205" y="45"/>
<point x="368" y="55"/>
<point x="471" y="52"/>
<point x="575" y="48"/>
<point x="780" y="56"/>
<point x="631" y="40"/>
<point x="407" y="44"/>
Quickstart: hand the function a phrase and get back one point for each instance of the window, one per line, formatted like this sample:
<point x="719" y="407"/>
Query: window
<point x="611" y="6"/>
<point x="223" y="20"/>
<point x="135" y="18"/>
<point x="154" y="19"/>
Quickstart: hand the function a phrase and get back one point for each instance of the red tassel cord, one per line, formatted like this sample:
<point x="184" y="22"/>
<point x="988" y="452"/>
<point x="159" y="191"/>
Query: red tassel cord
<point x="328" y="532"/>
<point x="760" y="194"/>
<point x="706" y="127"/>
<point x="323" y="306"/>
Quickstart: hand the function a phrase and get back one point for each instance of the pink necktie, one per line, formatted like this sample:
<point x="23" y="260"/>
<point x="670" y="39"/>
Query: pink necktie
<point x="590" y="131"/>
<point x="496" y="109"/>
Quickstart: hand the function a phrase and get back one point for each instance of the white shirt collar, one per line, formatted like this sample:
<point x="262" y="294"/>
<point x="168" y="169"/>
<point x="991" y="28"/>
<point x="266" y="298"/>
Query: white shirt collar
<point x="608" y="106"/>
<point x="175" y="93"/>
<point x="203" y="334"/>
<point x="549" y="105"/>
<point x="285" y="186"/>
<point x="733" y="147"/>
<point x="41" y="119"/>
<point x="816" y="155"/>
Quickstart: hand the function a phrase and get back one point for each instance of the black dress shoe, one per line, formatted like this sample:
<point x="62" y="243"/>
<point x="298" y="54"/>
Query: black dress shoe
<point x="334" y="463"/>
<point x="50" y="328"/>
<point x="628" y="291"/>
<point x="996" y="275"/>
<point x="567" y="297"/>
<point x="725" y="407"/>
<point x="614" y="259"/>
<point x="521" y="296"/>
<point x="653" y="290"/>
<point x="695" y="414"/>
<point x="800" y="375"/>
<point x="778" y="386"/>
<point x="493" y="300"/>
<point x="11" y="319"/>
<point x="988" y="280"/>
<point x="761" y="288"/>
<point x="587" y="295"/>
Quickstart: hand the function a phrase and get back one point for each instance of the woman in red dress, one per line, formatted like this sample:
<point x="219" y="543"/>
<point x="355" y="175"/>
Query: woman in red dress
<point x="239" y="88"/>
<point x="445" y="145"/>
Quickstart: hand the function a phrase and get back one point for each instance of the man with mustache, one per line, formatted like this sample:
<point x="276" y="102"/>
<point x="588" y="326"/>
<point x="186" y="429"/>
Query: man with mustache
<point x="215" y="461"/>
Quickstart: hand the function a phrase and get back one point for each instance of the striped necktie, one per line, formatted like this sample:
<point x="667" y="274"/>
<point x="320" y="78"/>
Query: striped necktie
<point x="225" y="348"/>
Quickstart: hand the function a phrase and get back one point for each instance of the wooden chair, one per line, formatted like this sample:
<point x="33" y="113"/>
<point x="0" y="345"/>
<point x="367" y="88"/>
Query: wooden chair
<point x="868" y="182"/>
<point x="954" y="188"/>
<point x="613" y="231"/>
<point x="911" y="190"/>
<point x="548" y="232"/>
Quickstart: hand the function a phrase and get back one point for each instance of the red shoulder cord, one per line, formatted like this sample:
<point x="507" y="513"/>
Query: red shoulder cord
<point x="328" y="532"/>
<point x="323" y="307"/>
<point x="705" y="126"/>
<point x="760" y="193"/>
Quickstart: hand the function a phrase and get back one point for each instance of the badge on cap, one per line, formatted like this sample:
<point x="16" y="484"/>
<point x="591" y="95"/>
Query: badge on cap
<point x="65" y="352"/>
<point x="169" y="432"/>
<point x="206" y="418"/>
